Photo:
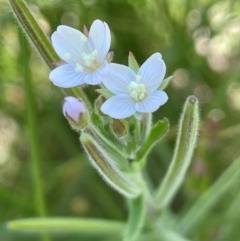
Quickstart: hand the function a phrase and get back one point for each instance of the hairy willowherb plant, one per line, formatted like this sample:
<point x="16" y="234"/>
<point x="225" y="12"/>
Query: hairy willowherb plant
<point x="117" y="132"/>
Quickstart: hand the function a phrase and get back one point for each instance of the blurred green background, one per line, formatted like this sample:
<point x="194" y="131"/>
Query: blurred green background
<point x="200" y="44"/>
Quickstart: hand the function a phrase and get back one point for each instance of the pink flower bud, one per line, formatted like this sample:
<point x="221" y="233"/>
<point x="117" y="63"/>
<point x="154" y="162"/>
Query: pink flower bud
<point x="75" y="111"/>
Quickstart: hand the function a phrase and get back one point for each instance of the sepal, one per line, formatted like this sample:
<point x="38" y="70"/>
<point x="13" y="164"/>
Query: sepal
<point x="105" y="92"/>
<point x="132" y="63"/>
<point x="165" y="83"/>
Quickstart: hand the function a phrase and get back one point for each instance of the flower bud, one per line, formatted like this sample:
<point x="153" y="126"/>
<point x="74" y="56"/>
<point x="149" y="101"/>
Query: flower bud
<point x="76" y="113"/>
<point x="109" y="57"/>
<point x="119" y="127"/>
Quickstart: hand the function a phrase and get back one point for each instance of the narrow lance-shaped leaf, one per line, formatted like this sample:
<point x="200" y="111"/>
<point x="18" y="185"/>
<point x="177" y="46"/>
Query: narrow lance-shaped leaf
<point x="106" y="168"/>
<point x="198" y="212"/>
<point x="156" y="133"/>
<point x="60" y="225"/>
<point x="186" y="142"/>
<point x="137" y="211"/>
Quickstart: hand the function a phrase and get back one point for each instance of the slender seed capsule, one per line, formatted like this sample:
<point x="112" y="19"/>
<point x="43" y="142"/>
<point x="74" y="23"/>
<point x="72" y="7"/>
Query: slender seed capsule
<point x="103" y="163"/>
<point x="34" y="32"/>
<point x="186" y="142"/>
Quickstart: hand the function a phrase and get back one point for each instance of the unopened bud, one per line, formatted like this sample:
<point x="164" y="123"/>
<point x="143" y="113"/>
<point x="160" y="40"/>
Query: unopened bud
<point x="119" y="127"/>
<point x="76" y="113"/>
<point x="109" y="57"/>
<point x="98" y="103"/>
<point x="85" y="31"/>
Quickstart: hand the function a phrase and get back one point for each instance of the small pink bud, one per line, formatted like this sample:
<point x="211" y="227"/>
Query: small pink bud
<point x="75" y="111"/>
<point x="109" y="57"/>
<point x="85" y="31"/>
<point x="59" y="63"/>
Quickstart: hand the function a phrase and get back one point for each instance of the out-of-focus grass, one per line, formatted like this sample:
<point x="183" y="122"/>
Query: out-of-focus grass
<point x="199" y="41"/>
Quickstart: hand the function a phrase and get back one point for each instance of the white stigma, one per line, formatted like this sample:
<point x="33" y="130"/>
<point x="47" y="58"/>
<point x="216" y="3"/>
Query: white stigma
<point x="137" y="90"/>
<point x="89" y="59"/>
<point x="138" y="78"/>
<point x="78" y="68"/>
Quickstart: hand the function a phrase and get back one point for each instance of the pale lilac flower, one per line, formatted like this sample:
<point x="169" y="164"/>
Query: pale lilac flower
<point x="84" y="57"/>
<point x="75" y="111"/>
<point x="135" y="92"/>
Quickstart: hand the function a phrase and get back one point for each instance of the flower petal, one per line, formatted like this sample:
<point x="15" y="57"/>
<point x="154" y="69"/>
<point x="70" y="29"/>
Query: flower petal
<point x="118" y="78"/>
<point x="100" y="36"/>
<point x="97" y="77"/>
<point x="66" y="77"/>
<point x="68" y="43"/>
<point x="152" y="72"/>
<point x="119" y="106"/>
<point x="152" y="102"/>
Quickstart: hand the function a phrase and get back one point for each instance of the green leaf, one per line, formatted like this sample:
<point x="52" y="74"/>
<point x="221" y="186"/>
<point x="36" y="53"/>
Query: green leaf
<point x="186" y="142"/>
<point x="136" y="218"/>
<point x="200" y="210"/>
<point x="156" y="134"/>
<point x="60" y="225"/>
<point x="132" y="63"/>
<point x="165" y="83"/>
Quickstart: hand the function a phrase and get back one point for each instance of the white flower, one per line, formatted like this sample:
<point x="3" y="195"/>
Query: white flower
<point x="135" y="92"/>
<point x="84" y="56"/>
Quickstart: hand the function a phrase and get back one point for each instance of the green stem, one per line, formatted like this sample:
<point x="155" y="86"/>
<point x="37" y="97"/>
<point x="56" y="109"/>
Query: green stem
<point x="32" y="128"/>
<point x="78" y="92"/>
<point x="137" y="212"/>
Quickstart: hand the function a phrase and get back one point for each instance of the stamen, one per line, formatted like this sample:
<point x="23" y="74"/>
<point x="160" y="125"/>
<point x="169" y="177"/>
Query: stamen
<point x="137" y="90"/>
<point x="67" y="56"/>
<point x="89" y="59"/>
<point x="79" y="68"/>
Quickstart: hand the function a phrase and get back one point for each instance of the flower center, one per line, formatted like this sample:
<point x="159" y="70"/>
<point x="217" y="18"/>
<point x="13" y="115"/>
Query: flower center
<point x="89" y="62"/>
<point x="137" y="90"/>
